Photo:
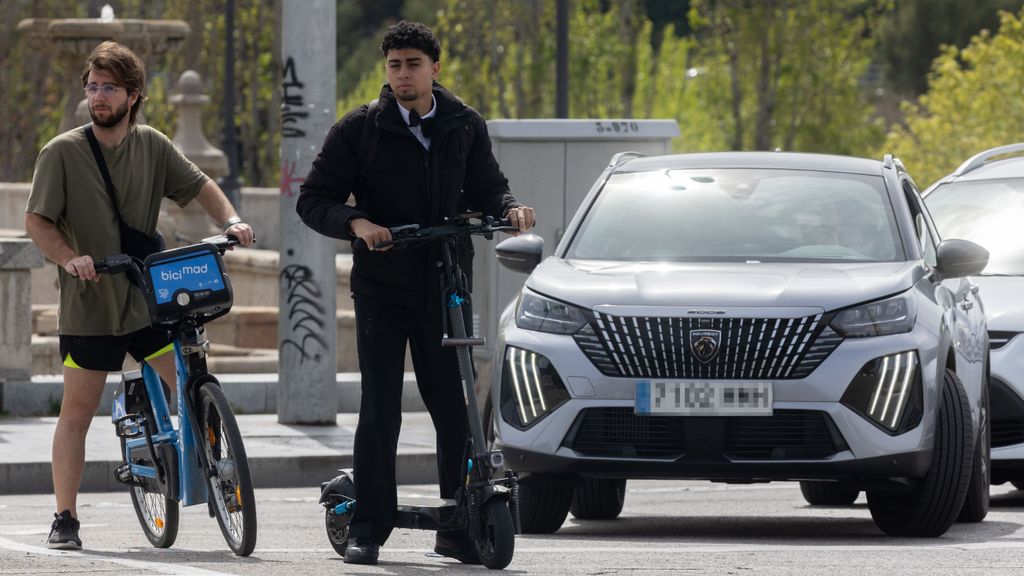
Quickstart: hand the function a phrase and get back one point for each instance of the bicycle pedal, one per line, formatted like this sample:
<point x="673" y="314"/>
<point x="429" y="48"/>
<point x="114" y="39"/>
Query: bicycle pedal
<point x="123" y="474"/>
<point x="130" y="426"/>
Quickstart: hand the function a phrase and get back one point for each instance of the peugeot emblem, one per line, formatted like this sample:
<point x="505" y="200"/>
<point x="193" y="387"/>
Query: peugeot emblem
<point x="704" y="344"/>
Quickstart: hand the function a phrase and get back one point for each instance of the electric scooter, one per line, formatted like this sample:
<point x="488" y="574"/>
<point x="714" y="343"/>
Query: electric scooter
<point x="487" y="503"/>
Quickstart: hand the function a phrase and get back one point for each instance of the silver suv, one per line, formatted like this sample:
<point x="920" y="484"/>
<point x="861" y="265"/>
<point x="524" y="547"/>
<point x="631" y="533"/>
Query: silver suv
<point x="747" y="317"/>
<point x="983" y="201"/>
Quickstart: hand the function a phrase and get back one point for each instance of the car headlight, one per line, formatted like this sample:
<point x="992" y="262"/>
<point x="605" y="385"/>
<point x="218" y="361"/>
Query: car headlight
<point x="894" y="315"/>
<point x="530" y="387"/>
<point x="887" y="391"/>
<point x="536" y="312"/>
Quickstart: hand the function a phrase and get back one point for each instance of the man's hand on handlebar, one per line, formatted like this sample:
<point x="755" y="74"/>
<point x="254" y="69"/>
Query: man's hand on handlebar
<point x="243" y="232"/>
<point x="82" y="267"/>
<point x="522" y="218"/>
<point x="371" y="234"/>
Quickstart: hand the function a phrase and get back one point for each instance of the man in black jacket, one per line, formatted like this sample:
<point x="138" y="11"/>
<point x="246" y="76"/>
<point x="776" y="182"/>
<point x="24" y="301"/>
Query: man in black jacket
<point x="414" y="156"/>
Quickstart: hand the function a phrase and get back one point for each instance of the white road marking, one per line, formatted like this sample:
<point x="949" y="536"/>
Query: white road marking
<point x="30" y="529"/>
<point x="91" y="556"/>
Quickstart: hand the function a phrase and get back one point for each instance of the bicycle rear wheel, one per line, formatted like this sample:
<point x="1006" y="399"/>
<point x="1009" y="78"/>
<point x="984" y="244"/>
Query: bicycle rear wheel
<point x="157" y="514"/>
<point x="229" y="481"/>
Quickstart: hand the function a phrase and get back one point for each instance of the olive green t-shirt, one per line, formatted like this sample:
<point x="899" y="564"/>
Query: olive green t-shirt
<point x="67" y="188"/>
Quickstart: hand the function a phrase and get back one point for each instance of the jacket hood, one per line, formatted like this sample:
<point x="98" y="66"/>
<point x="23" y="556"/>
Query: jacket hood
<point x="590" y="283"/>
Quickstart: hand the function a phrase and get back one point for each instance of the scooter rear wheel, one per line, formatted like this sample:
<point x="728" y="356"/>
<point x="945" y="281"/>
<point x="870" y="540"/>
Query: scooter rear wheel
<point x="498" y="543"/>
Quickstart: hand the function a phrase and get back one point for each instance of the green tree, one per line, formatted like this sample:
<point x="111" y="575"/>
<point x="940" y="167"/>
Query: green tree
<point x="973" y="103"/>
<point x="785" y="74"/>
<point x="912" y="35"/>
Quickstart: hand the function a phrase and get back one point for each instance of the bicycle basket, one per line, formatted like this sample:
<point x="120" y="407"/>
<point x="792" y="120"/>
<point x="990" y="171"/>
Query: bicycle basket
<point x="188" y="281"/>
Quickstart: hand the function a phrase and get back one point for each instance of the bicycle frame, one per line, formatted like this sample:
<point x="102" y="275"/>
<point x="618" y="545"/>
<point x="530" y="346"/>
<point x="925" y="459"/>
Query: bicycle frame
<point x="191" y="486"/>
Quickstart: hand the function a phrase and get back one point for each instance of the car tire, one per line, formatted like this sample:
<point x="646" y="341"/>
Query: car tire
<point x="977" y="502"/>
<point x="543" y="507"/>
<point x="827" y="494"/>
<point x="598" y="499"/>
<point x="931" y="506"/>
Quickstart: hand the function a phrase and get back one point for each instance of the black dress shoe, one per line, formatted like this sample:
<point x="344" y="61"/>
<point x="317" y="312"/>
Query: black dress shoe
<point x="362" y="551"/>
<point x="456" y="544"/>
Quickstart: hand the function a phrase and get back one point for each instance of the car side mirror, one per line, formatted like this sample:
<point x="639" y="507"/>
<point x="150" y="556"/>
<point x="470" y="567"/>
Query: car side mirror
<point x="957" y="258"/>
<point x="520" y="253"/>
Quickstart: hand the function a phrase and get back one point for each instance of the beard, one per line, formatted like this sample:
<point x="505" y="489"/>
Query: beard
<point x="113" y="119"/>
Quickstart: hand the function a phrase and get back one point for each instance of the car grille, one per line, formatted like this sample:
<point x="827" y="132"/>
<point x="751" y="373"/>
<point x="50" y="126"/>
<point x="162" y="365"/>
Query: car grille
<point x="785" y="435"/>
<point x="747" y="348"/>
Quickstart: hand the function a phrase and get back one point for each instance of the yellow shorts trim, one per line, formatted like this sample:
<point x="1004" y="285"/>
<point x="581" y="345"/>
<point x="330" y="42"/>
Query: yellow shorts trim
<point x="71" y="363"/>
<point x="159" y="352"/>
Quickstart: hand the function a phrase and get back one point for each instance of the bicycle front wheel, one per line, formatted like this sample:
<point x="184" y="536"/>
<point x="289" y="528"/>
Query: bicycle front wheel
<point x="158" y="514"/>
<point x="230" y="484"/>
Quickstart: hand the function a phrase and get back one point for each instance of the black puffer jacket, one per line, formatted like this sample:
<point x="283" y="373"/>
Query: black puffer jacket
<point x="402" y="183"/>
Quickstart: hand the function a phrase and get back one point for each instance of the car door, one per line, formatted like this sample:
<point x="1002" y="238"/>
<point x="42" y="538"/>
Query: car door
<point x="966" y="311"/>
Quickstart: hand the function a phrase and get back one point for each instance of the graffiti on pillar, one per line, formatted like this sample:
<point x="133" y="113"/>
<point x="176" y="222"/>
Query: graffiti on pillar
<point x="289" y="179"/>
<point x="305" y="313"/>
<point x="292" y="103"/>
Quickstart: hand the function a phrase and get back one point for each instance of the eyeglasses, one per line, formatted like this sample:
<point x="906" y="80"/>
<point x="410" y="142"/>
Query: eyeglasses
<point x="108" y="89"/>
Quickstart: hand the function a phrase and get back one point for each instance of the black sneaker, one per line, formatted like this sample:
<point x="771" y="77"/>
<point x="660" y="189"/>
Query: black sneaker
<point x="64" y="532"/>
<point x="456" y="544"/>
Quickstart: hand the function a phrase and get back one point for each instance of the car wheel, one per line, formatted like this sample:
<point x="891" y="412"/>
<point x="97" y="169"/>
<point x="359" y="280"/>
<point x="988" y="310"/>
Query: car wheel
<point x="598" y="499"/>
<point x="931" y="507"/>
<point x="543" y="507"/>
<point x="827" y="494"/>
<point x="976" y="504"/>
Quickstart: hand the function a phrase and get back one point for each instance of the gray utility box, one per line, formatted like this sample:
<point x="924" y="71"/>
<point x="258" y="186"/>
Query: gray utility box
<point x="550" y="165"/>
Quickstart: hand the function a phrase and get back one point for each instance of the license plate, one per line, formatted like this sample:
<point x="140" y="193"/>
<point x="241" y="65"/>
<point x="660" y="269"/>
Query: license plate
<point x="703" y="398"/>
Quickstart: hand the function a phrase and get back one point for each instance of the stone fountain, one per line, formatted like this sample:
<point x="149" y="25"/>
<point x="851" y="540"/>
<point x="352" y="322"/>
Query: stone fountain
<point x="70" y="41"/>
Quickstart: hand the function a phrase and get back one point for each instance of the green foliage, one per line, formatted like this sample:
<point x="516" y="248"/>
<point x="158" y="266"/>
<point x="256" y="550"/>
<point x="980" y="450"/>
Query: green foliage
<point x="786" y="74"/>
<point x="36" y="85"/>
<point x="914" y="33"/>
<point x="973" y="103"/>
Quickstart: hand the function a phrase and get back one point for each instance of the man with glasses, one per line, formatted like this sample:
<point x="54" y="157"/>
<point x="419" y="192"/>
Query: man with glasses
<point x="72" y="217"/>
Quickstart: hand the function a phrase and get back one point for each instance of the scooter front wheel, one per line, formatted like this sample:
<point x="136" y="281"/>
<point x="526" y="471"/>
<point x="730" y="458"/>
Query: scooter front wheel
<point x="497" y="541"/>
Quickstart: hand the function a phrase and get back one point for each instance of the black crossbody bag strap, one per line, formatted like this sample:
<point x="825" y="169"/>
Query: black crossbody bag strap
<point x="98" y="155"/>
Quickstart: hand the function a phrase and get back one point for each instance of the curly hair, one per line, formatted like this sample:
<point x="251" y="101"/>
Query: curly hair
<point x="126" y="68"/>
<point x="413" y="35"/>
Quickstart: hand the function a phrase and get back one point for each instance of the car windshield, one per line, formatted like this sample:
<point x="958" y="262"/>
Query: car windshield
<point x="986" y="212"/>
<point x="740" y="215"/>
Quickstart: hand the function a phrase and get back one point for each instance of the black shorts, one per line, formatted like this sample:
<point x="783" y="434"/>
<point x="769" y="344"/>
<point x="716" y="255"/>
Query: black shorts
<point x="106" y="353"/>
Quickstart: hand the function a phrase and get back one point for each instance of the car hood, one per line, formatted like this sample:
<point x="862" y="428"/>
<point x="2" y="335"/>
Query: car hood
<point x="1004" y="307"/>
<point x="589" y="283"/>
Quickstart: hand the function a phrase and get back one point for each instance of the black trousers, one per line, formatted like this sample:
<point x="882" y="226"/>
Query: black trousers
<point x="383" y="329"/>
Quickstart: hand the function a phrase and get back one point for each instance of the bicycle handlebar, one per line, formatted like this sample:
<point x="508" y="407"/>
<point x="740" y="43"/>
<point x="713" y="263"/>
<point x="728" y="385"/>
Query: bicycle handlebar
<point x="411" y="234"/>
<point x="123" y="263"/>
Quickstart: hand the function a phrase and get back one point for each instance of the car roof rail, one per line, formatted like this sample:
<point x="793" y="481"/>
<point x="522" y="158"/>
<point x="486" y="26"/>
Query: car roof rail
<point x="979" y="159"/>
<point x="621" y="157"/>
<point x="887" y="161"/>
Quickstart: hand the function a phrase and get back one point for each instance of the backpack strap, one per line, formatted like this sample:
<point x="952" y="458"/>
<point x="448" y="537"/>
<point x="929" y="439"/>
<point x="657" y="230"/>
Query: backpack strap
<point x="369" y="138"/>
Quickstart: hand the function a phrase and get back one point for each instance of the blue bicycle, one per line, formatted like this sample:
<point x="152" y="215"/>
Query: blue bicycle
<point x="203" y="459"/>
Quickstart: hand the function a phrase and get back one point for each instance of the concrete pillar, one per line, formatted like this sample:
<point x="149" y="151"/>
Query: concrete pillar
<point x="17" y="257"/>
<point x="307" y="393"/>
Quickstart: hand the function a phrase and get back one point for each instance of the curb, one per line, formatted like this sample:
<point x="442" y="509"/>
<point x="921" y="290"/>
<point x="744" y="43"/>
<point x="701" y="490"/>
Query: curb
<point x="413" y="467"/>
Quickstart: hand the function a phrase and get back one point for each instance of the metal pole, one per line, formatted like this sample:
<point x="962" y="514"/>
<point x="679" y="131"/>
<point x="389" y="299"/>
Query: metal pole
<point x="562" y="60"/>
<point x="229" y="183"/>
<point x="307" y="390"/>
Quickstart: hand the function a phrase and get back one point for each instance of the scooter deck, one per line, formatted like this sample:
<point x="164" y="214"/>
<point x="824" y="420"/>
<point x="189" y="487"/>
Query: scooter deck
<point x="425" y="513"/>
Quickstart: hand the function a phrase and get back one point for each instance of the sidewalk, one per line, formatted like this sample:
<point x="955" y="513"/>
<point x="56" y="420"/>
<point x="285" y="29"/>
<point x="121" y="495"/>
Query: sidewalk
<point x="279" y="455"/>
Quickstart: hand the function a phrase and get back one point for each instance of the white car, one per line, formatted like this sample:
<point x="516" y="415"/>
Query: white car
<point x="983" y="201"/>
<point x="747" y="317"/>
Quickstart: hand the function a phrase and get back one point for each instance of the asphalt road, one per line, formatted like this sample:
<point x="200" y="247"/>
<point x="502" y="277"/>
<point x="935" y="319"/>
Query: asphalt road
<point x="667" y="527"/>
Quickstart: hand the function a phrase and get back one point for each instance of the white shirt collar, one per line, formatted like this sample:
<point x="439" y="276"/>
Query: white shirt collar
<point x="417" y="130"/>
